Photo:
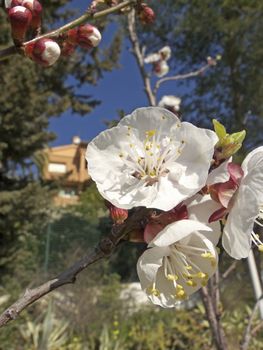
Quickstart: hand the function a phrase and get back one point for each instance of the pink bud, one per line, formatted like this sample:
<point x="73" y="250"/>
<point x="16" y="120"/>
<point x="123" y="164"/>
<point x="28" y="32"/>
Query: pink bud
<point x="87" y="36"/>
<point x="146" y="14"/>
<point x="20" y="19"/>
<point x="36" y="12"/>
<point x="33" y="5"/>
<point x="67" y="48"/>
<point x="118" y="215"/>
<point x="44" y="51"/>
<point x="158" y="222"/>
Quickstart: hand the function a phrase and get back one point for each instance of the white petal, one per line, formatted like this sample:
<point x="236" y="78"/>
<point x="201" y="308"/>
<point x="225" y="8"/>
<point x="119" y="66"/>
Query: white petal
<point x="169" y="194"/>
<point x="177" y="231"/>
<point x="200" y="241"/>
<point x="163" y="69"/>
<point x="219" y="174"/>
<point x="153" y="57"/>
<point x="195" y="160"/>
<point x="239" y="225"/>
<point x="165" y="52"/>
<point x="150" y="118"/>
<point x="200" y="208"/>
<point x="252" y="159"/>
<point x="149" y="263"/>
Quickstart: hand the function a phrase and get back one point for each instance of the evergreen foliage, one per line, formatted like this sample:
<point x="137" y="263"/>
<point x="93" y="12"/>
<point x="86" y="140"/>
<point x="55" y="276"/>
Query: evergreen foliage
<point x="30" y="95"/>
<point x="232" y="91"/>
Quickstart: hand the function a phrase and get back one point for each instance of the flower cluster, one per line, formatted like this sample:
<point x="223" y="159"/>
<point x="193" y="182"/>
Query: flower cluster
<point x="186" y="177"/>
<point x="159" y="61"/>
<point x="25" y="15"/>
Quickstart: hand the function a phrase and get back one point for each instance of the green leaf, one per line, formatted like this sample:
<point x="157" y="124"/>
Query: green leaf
<point x="219" y="129"/>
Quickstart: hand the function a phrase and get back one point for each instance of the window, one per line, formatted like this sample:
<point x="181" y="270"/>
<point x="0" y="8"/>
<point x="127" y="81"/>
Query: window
<point x="57" y="168"/>
<point x="67" y="192"/>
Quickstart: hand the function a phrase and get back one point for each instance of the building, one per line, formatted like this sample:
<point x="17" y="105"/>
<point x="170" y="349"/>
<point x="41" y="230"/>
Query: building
<point x="67" y="163"/>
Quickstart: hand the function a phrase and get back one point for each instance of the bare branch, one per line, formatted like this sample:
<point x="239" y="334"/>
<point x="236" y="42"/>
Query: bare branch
<point x="89" y="14"/>
<point x="211" y="301"/>
<point x="196" y="73"/>
<point x="104" y="249"/>
<point x="138" y="53"/>
<point x="247" y="333"/>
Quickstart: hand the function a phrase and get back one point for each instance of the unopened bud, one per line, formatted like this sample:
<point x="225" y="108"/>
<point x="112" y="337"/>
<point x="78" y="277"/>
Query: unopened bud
<point x="118" y="215"/>
<point x="67" y="48"/>
<point x="20" y="19"/>
<point x="86" y="36"/>
<point x="36" y="12"/>
<point x="211" y="61"/>
<point x="146" y="14"/>
<point x="44" y="52"/>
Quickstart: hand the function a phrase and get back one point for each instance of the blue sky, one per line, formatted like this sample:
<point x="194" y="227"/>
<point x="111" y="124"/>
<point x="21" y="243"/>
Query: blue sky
<point x="120" y="89"/>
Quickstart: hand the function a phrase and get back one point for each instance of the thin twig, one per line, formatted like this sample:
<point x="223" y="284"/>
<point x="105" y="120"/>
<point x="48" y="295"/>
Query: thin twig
<point x="5" y="53"/>
<point x="247" y="333"/>
<point x="138" y="53"/>
<point x="230" y="269"/>
<point x="104" y="249"/>
<point x="256" y="329"/>
<point x="199" y="71"/>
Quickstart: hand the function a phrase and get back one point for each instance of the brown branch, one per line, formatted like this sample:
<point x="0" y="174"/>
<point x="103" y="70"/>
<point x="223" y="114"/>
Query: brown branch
<point x="89" y="14"/>
<point x="139" y="58"/>
<point x="181" y="76"/>
<point x="104" y="249"/>
<point x="247" y="333"/>
<point x="211" y="300"/>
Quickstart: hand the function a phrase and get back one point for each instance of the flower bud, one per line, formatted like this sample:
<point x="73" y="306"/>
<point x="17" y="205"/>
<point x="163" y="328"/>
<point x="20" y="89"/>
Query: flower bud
<point x="146" y="14"/>
<point x="32" y="5"/>
<point x="87" y="36"/>
<point x="20" y="19"/>
<point x="67" y="48"/>
<point x="36" y="12"/>
<point x="118" y="215"/>
<point x="44" y="51"/>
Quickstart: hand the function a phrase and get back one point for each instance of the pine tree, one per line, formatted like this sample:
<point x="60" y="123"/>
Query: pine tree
<point x="30" y="95"/>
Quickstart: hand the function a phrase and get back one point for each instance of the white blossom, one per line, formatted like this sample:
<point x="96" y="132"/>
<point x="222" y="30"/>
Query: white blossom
<point x="180" y="260"/>
<point x="150" y="159"/>
<point x="170" y="102"/>
<point x="246" y="205"/>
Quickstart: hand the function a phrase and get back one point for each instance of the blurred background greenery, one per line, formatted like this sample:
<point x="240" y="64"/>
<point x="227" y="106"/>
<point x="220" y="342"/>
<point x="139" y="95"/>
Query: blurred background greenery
<point x="38" y="240"/>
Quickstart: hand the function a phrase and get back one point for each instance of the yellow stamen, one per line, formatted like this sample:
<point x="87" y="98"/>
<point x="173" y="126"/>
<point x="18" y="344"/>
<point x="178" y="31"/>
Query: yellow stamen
<point x="201" y="275"/>
<point x="181" y="294"/>
<point x="153" y="291"/>
<point x="150" y="133"/>
<point x="191" y="283"/>
<point x="172" y="277"/>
